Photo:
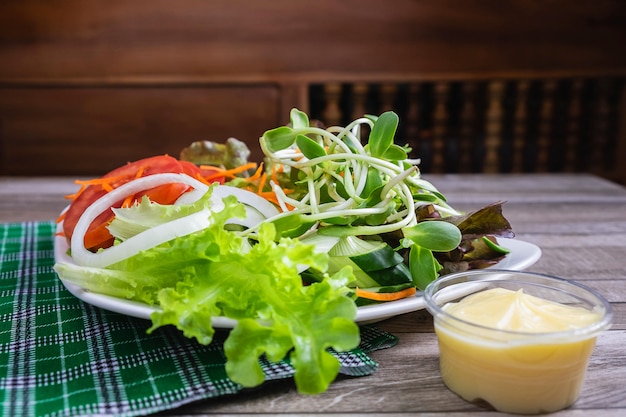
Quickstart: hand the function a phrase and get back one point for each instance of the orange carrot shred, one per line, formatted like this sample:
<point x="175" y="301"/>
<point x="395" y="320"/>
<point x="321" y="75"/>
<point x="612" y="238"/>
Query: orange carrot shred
<point x="227" y="172"/>
<point x="262" y="182"/>
<point x="140" y="172"/>
<point x="128" y="201"/>
<point x="202" y="179"/>
<point x="257" y="173"/>
<point x="107" y="187"/>
<point x="77" y="193"/>
<point x="386" y="296"/>
<point x="104" y="182"/>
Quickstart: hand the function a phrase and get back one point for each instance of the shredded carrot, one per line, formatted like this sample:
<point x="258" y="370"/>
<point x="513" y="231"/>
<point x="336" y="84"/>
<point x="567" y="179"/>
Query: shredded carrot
<point x="104" y="182"/>
<point x="386" y="296"/>
<point x="140" y="172"/>
<point x="268" y="195"/>
<point x="227" y="172"/>
<point x="271" y="197"/>
<point x="107" y="186"/>
<point x="61" y="217"/>
<point x="203" y="180"/>
<point x="257" y="173"/>
<point x="287" y="191"/>
<point x="256" y="182"/>
<point x="128" y="201"/>
<point x="77" y="193"/>
<point x="262" y="182"/>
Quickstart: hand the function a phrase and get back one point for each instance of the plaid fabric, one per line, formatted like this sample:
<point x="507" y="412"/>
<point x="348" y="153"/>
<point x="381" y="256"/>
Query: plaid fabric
<point x="62" y="357"/>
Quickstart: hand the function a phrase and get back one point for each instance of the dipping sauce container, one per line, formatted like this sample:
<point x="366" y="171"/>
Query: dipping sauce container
<point x="519" y="341"/>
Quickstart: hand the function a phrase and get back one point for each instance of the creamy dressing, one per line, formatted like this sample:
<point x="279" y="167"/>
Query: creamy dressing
<point x="515" y="373"/>
<point x="517" y="311"/>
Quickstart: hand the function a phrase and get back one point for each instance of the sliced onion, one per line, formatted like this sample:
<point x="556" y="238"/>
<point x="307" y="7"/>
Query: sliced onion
<point x="114" y="254"/>
<point x="256" y="208"/>
<point x="264" y="207"/>
<point x="190" y="197"/>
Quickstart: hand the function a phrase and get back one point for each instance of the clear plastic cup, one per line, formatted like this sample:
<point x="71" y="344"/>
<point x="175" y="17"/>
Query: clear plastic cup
<point x="516" y="371"/>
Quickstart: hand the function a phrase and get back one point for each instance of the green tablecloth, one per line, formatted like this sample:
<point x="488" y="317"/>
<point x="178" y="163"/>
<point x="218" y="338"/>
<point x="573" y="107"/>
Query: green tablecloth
<point x="62" y="357"/>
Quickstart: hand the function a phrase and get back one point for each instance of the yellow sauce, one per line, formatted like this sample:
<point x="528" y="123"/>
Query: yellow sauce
<point x="516" y="374"/>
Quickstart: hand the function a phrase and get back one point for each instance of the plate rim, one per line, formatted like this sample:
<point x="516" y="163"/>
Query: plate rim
<point x="365" y="314"/>
<point x="368" y="314"/>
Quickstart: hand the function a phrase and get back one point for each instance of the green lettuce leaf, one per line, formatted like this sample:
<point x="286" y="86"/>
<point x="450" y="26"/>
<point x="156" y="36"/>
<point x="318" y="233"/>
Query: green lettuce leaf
<point x="130" y="221"/>
<point x="217" y="272"/>
<point x="276" y="313"/>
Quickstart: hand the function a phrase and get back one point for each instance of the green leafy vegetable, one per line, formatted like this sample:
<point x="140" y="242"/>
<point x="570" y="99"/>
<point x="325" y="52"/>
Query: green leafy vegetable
<point x="434" y="235"/>
<point x="486" y="221"/>
<point x="479" y="246"/>
<point x="343" y="188"/>
<point x="423" y="266"/>
<point x="280" y="138"/>
<point x="299" y="119"/>
<point x="309" y="148"/>
<point x="423" y="239"/>
<point x="396" y="153"/>
<point x="216" y="272"/>
<point x="383" y="132"/>
<point x="232" y="154"/>
<point x="133" y="220"/>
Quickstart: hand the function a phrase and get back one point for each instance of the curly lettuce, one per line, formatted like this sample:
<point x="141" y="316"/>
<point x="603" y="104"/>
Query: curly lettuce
<point x="217" y="272"/>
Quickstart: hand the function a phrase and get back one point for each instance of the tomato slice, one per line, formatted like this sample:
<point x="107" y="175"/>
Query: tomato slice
<point x="97" y="235"/>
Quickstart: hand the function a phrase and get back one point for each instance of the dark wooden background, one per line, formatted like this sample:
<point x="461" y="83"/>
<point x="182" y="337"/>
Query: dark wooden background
<point x="87" y="85"/>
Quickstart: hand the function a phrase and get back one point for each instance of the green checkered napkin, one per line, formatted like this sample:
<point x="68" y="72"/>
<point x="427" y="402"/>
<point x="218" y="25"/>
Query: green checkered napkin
<point x="62" y="357"/>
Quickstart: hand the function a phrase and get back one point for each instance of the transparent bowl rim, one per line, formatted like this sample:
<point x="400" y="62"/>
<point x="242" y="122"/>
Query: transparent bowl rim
<point x="583" y="332"/>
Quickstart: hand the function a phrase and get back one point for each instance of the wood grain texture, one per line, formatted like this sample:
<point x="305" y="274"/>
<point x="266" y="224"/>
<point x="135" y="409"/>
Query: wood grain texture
<point x="89" y="131"/>
<point x="579" y="221"/>
<point x="74" y="39"/>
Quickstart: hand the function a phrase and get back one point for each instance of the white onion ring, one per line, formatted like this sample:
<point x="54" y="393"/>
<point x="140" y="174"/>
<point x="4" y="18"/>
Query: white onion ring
<point x="257" y="208"/>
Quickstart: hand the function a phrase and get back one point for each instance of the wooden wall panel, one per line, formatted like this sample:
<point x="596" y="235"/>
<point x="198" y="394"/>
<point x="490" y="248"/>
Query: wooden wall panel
<point x="250" y="39"/>
<point x="82" y="131"/>
<point x="147" y="75"/>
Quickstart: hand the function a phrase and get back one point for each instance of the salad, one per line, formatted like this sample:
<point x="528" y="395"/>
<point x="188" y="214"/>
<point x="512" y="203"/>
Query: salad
<point x="288" y="249"/>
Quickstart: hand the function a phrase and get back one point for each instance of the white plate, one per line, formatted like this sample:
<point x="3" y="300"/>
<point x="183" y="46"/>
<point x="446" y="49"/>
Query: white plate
<point x="522" y="255"/>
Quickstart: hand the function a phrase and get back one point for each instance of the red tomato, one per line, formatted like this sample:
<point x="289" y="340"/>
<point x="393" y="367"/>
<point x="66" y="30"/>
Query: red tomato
<point x="98" y="235"/>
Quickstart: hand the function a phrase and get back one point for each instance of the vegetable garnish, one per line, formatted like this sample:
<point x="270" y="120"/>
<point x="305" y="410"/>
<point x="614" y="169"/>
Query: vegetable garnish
<point x="186" y="260"/>
<point x="98" y="236"/>
<point x="385" y="296"/>
<point x="287" y="249"/>
<point x="342" y="187"/>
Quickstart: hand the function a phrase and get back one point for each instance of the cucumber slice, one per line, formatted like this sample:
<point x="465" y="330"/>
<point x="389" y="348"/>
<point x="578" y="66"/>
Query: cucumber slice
<point x="395" y="275"/>
<point x="369" y="255"/>
<point x="382" y="258"/>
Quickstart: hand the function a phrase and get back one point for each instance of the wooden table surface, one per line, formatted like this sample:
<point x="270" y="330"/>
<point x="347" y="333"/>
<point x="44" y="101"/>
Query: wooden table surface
<point x="579" y="222"/>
